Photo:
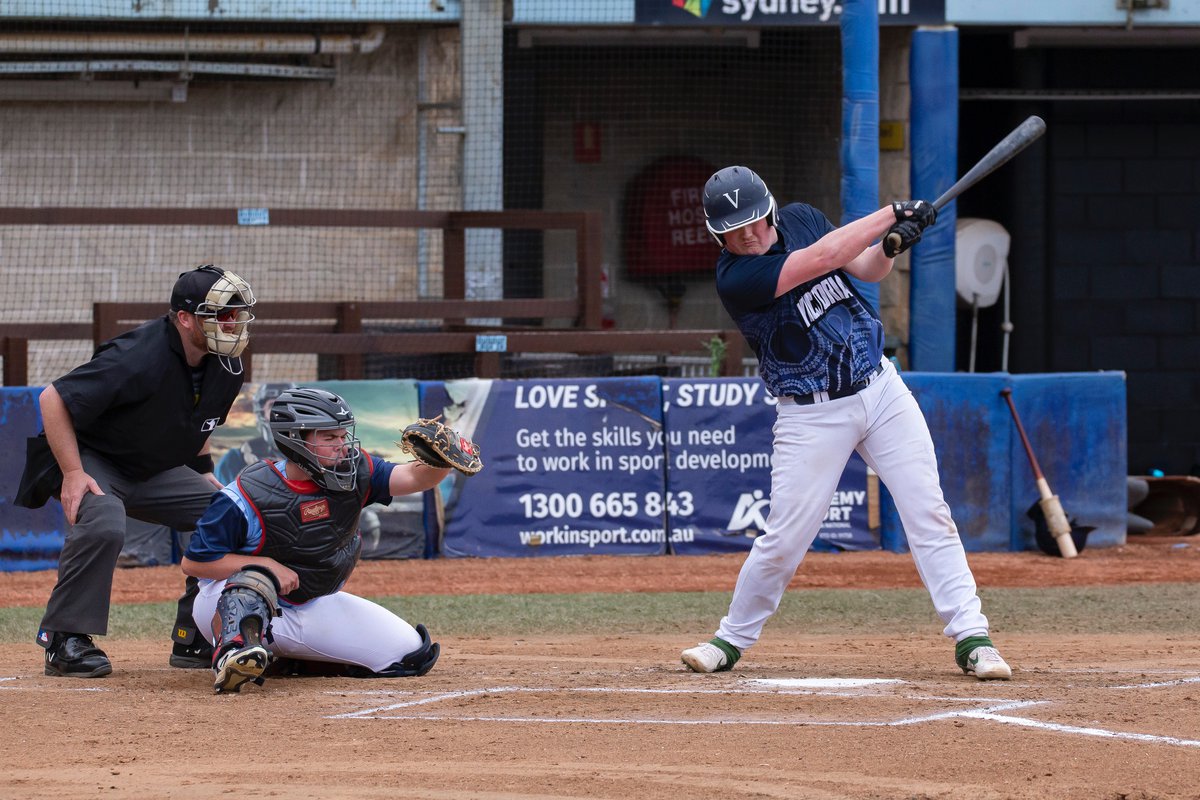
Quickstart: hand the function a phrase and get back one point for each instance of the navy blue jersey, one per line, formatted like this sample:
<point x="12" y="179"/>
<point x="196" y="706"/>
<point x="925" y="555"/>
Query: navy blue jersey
<point x="819" y="337"/>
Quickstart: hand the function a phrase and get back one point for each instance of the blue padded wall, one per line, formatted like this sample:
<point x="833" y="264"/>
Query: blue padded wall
<point x="1077" y="429"/>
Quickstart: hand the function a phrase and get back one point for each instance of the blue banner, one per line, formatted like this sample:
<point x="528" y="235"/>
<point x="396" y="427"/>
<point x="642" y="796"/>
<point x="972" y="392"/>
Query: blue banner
<point x="781" y="12"/>
<point x="571" y="467"/>
<point x="719" y="442"/>
<point x="29" y="538"/>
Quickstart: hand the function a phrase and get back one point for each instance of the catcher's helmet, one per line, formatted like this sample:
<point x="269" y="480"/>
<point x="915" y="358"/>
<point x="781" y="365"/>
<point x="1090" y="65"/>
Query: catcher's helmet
<point x="222" y="302"/>
<point x="734" y="197"/>
<point x="297" y="411"/>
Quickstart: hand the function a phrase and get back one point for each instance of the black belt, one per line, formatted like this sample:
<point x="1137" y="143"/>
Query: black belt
<point x="824" y="397"/>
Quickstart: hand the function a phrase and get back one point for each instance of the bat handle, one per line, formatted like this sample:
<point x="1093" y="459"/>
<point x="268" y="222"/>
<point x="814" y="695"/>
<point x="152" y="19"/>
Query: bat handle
<point x="894" y="241"/>
<point x="1033" y="462"/>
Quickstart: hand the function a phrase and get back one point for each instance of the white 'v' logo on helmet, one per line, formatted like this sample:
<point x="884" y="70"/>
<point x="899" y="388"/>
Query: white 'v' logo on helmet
<point x="733" y="201"/>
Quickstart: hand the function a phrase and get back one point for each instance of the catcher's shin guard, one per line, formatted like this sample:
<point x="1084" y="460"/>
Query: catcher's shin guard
<point x="413" y="665"/>
<point x="246" y="607"/>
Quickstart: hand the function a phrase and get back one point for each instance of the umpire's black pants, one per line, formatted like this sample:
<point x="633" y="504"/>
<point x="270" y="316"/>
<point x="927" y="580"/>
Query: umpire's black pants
<point x="80" y="600"/>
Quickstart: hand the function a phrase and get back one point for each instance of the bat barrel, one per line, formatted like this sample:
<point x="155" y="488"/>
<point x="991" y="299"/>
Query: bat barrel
<point x="1017" y="140"/>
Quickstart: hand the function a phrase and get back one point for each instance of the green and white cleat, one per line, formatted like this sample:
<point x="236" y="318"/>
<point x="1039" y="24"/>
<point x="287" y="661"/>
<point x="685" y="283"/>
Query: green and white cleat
<point x="715" y="655"/>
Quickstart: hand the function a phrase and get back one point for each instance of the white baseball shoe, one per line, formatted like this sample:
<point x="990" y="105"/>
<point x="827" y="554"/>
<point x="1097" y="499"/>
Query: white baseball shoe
<point x="986" y="664"/>
<point x="715" y="655"/>
<point x="238" y="666"/>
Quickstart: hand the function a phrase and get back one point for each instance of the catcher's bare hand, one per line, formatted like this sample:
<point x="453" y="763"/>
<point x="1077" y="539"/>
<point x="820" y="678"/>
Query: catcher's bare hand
<point x="439" y="446"/>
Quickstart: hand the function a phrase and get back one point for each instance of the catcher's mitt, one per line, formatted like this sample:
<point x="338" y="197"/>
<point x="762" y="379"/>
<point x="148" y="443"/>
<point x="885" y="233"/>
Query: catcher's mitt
<point x="432" y="443"/>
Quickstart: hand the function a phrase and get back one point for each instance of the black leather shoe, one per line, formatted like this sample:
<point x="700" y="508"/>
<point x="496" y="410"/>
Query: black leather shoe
<point x="197" y="655"/>
<point x="74" y="655"/>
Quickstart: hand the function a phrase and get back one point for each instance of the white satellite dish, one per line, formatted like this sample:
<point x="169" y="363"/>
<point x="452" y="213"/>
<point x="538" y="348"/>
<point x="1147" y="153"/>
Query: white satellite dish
<point x="980" y="270"/>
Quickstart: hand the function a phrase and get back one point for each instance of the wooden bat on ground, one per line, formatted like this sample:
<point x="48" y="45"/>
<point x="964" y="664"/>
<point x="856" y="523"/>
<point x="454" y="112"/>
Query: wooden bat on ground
<point x="1021" y="137"/>
<point x="1056" y="519"/>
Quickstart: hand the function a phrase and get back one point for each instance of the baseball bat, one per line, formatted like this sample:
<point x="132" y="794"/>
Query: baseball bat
<point x="1056" y="518"/>
<point x="1017" y="140"/>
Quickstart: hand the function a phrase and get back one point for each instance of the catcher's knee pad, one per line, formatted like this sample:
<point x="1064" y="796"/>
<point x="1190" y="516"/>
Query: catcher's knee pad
<point x="247" y="605"/>
<point x="413" y="665"/>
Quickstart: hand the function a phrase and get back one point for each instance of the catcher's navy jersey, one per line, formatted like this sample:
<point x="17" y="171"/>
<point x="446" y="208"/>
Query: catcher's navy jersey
<point x="231" y="525"/>
<point x="819" y="337"/>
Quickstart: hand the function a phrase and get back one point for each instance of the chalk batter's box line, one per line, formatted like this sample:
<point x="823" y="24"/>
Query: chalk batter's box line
<point x="991" y="713"/>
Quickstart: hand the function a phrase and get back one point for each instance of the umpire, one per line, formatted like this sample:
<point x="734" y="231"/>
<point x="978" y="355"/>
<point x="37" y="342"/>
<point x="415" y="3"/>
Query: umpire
<point x="126" y="435"/>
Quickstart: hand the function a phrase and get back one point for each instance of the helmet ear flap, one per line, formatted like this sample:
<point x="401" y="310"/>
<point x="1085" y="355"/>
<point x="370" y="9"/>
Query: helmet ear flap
<point x="773" y="214"/>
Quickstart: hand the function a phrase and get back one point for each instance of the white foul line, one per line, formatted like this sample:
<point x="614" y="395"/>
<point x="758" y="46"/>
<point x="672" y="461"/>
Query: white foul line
<point x="991" y="713"/>
<point x="1159" y="685"/>
<point x="1101" y="732"/>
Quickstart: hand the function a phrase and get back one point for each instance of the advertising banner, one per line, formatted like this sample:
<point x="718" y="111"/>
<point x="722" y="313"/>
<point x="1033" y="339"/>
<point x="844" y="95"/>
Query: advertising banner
<point x="381" y="408"/>
<point x="29" y="538"/>
<point x="718" y="438"/>
<point x="780" y="12"/>
<point x="571" y="467"/>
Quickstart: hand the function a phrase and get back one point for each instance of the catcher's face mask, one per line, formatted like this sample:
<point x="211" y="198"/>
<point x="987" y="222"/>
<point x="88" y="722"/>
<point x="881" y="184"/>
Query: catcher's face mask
<point x="335" y="452"/>
<point x="315" y="429"/>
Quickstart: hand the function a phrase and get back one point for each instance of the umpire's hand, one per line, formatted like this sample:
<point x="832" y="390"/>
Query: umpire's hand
<point x="75" y="485"/>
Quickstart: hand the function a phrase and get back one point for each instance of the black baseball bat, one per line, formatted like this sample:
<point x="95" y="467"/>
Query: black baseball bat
<point x="1017" y="140"/>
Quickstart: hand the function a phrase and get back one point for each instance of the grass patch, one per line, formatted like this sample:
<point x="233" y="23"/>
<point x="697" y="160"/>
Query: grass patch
<point x="1155" y="608"/>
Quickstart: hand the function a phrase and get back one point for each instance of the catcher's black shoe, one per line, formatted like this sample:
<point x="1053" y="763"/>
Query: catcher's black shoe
<point x="197" y="655"/>
<point x="73" y="655"/>
<point x="239" y="664"/>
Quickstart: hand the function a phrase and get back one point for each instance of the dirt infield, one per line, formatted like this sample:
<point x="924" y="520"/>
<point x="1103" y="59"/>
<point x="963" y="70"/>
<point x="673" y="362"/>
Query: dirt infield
<point x="1148" y="560"/>
<point x="616" y="716"/>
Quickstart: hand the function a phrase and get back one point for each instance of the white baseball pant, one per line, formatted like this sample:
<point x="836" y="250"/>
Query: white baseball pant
<point x="340" y="627"/>
<point x="812" y="445"/>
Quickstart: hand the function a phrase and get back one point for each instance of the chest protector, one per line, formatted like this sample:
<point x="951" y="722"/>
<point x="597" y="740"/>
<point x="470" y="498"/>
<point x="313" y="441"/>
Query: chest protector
<point x="314" y="534"/>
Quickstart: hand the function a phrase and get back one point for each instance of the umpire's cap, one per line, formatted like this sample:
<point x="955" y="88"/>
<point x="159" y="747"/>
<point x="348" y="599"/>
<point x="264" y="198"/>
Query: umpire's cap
<point x="735" y="197"/>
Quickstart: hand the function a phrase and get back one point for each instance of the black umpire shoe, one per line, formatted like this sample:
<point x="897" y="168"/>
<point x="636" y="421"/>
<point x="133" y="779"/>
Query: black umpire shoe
<point x="196" y="655"/>
<point x="74" y="655"/>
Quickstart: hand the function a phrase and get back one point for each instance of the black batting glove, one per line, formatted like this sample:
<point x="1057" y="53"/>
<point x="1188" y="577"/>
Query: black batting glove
<point x="918" y="210"/>
<point x="901" y="237"/>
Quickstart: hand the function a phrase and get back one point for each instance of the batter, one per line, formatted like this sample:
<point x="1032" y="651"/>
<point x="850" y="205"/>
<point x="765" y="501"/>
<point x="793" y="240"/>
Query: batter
<point x="783" y="277"/>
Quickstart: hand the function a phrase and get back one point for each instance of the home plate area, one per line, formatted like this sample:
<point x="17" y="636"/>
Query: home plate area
<point x="845" y="702"/>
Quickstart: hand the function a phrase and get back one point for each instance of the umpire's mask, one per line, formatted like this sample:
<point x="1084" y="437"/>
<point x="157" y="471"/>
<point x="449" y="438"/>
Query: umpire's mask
<point x="222" y="302"/>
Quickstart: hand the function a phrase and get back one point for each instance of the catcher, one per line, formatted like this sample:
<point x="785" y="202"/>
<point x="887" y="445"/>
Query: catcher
<point x="277" y="544"/>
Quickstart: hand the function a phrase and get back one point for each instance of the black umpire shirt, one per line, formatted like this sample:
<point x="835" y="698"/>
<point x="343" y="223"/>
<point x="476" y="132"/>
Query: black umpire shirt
<point x="135" y="402"/>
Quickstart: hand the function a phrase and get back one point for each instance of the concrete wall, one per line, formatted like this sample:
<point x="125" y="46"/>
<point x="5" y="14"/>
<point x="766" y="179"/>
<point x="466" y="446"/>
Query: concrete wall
<point x="358" y="142"/>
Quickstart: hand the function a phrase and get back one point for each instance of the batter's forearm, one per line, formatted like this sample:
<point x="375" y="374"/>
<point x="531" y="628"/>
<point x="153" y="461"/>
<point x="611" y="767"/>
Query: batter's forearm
<point x="835" y="250"/>
<point x="872" y="266"/>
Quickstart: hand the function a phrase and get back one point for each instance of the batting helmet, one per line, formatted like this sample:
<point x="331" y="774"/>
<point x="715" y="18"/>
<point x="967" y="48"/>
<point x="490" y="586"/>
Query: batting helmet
<point x="735" y="197"/>
<point x="298" y="411"/>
